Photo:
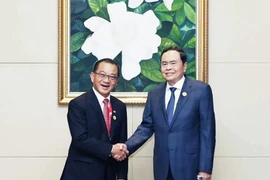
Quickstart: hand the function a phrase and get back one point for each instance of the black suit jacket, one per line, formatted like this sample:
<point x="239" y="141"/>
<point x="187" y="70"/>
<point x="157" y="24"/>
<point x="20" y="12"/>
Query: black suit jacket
<point x="90" y="148"/>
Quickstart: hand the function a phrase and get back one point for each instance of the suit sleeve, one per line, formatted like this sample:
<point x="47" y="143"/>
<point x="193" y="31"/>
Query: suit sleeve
<point x="81" y="138"/>
<point x="123" y="165"/>
<point x="207" y="131"/>
<point x="144" y="131"/>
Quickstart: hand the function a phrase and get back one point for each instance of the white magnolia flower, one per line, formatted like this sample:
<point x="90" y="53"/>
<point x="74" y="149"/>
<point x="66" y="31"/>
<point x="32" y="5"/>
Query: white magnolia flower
<point x="136" y="3"/>
<point x="133" y="34"/>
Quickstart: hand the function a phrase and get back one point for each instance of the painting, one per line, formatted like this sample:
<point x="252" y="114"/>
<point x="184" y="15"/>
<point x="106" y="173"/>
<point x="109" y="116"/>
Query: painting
<point x="133" y="33"/>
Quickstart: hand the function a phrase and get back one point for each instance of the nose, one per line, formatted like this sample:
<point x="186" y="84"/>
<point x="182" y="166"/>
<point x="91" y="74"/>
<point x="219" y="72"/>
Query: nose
<point x="168" y="66"/>
<point x="106" y="79"/>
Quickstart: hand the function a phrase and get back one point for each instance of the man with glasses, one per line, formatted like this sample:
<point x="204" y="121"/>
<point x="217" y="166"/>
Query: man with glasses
<point x="97" y="121"/>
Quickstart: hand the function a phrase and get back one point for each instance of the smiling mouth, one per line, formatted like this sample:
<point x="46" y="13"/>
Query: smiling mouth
<point x="105" y="86"/>
<point x="169" y="74"/>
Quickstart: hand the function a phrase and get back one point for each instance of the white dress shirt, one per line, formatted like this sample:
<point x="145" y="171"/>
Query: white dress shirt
<point x="177" y="92"/>
<point x="101" y="98"/>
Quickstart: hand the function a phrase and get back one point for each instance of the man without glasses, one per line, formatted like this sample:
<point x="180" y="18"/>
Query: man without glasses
<point x="181" y="114"/>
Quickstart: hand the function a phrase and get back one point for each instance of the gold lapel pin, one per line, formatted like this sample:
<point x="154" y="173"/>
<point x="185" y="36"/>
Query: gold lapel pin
<point x="184" y="93"/>
<point x="114" y="117"/>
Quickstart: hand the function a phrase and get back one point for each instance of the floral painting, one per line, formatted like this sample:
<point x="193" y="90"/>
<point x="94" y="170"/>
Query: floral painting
<point x="133" y="33"/>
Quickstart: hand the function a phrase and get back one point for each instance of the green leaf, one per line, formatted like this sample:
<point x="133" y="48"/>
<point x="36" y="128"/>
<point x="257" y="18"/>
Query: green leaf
<point x="142" y="9"/>
<point x="87" y="14"/>
<point x="191" y="56"/>
<point x="125" y="86"/>
<point x="191" y="67"/>
<point x="192" y="3"/>
<point x="163" y="16"/>
<point x="190" y="13"/>
<point x="103" y="13"/>
<point x="191" y="43"/>
<point x="166" y="42"/>
<point x="98" y="6"/>
<point x="77" y="40"/>
<point x="149" y="87"/>
<point x="192" y="77"/>
<point x="161" y="8"/>
<point x="180" y="16"/>
<point x="113" y="1"/>
<point x="177" y="4"/>
<point x="151" y="70"/>
<point x="175" y="33"/>
<point x="165" y="29"/>
<point x="74" y="59"/>
<point x="188" y="35"/>
<point x="79" y="67"/>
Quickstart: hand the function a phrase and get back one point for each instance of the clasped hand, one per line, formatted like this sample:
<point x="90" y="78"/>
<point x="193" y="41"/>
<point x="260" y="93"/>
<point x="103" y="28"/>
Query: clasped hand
<point x="119" y="152"/>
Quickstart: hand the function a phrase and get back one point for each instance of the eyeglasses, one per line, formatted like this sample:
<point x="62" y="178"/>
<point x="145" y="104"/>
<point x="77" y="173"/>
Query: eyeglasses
<point x="103" y="76"/>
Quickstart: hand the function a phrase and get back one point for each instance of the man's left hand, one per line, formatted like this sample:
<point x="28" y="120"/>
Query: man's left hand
<point x="205" y="175"/>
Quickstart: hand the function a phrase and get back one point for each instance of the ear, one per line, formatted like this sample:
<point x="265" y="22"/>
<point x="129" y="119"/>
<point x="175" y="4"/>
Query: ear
<point x="185" y="66"/>
<point x="92" y="76"/>
<point x="116" y="82"/>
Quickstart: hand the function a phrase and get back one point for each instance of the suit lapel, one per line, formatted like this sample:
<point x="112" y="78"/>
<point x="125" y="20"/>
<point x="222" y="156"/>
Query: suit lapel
<point x="113" y="117"/>
<point x="161" y="101"/>
<point x="184" y="94"/>
<point x="94" y="104"/>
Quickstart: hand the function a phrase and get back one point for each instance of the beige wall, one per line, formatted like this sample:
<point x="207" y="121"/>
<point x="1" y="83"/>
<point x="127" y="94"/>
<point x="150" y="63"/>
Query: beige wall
<point x="34" y="135"/>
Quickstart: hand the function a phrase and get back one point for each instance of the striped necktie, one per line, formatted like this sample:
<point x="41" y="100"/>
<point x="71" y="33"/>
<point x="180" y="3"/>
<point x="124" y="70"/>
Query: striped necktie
<point x="170" y="106"/>
<point x="106" y="114"/>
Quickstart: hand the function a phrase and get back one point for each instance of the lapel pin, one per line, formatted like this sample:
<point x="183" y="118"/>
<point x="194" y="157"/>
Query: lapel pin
<point x="114" y="111"/>
<point x="184" y="93"/>
<point x="114" y="117"/>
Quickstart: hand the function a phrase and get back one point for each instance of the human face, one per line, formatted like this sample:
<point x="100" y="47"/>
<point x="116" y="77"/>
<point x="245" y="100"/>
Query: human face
<point x="101" y="83"/>
<point x="172" y="67"/>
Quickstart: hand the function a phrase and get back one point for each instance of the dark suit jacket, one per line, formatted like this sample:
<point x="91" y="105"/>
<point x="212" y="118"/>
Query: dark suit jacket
<point x="188" y="144"/>
<point x="88" y="157"/>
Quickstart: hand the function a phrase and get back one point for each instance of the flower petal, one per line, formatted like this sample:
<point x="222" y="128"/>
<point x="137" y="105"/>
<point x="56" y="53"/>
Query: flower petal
<point x="87" y="46"/>
<point x="117" y="11"/>
<point x="130" y="66"/>
<point x="104" y="44"/>
<point x="149" y="1"/>
<point x="168" y="4"/>
<point x="143" y="48"/>
<point x="101" y="44"/>
<point x="94" y="23"/>
<point x="151" y="20"/>
<point x="134" y="3"/>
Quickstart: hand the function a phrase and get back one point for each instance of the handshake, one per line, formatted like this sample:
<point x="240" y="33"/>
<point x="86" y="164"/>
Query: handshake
<point x="119" y="152"/>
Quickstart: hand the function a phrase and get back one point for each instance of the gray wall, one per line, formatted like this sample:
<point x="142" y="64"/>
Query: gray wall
<point x="34" y="134"/>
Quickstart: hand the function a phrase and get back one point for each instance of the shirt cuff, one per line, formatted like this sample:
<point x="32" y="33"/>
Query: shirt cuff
<point x="111" y="152"/>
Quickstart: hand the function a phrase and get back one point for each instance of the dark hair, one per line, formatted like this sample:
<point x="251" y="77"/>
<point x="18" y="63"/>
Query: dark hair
<point x="106" y="60"/>
<point x="182" y="53"/>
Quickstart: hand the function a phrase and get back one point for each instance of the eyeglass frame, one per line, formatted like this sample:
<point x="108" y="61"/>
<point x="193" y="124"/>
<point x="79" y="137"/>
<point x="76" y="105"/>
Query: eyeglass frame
<point x="110" y="77"/>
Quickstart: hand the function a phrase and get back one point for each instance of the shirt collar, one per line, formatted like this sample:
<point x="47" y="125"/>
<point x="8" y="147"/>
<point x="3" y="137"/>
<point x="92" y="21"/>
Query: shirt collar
<point x="100" y="97"/>
<point x="177" y="85"/>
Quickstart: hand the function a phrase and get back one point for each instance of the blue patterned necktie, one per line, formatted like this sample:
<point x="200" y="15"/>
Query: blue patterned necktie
<point x="170" y="106"/>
